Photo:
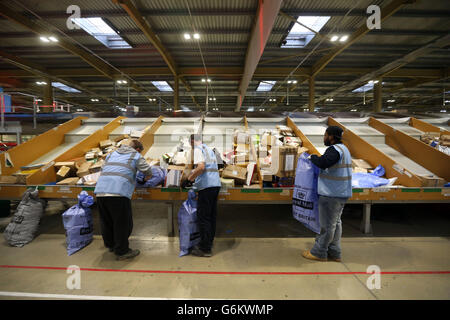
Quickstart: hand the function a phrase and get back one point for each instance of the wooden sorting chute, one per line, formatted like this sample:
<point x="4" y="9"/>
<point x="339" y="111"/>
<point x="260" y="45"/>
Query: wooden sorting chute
<point x="148" y="138"/>
<point x="425" y="155"/>
<point x="35" y="148"/>
<point x="361" y="149"/>
<point x="425" y="126"/>
<point x="48" y="173"/>
<point x="305" y="141"/>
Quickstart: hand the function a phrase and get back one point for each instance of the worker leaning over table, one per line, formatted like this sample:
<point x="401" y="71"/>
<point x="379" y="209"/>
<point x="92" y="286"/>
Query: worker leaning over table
<point x="114" y="190"/>
<point x="207" y="183"/>
<point x="334" y="189"/>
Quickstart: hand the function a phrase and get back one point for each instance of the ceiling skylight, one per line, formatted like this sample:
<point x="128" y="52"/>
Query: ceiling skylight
<point x="101" y="31"/>
<point x="366" y="87"/>
<point x="265" y="85"/>
<point x="299" y="36"/>
<point x="162" y="86"/>
<point x="63" y="87"/>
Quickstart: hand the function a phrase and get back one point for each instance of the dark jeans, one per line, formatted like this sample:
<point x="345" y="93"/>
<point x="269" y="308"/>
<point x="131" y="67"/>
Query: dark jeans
<point x="206" y="216"/>
<point x="116" y="222"/>
<point x="328" y="242"/>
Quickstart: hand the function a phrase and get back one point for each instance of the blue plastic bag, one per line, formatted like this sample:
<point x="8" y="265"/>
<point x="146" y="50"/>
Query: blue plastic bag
<point x="379" y="171"/>
<point x="305" y="202"/>
<point x="187" y="224"/>
<point x="158" y="176"/>
<point x="78" y="224"/>
<point x="367" y="180"/>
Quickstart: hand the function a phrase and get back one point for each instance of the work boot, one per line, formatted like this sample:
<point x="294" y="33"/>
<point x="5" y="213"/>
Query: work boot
<point x="334" y="259"/>
<point x="196" y="251"/>
<point x="130" y="254"/>
<point x="308" y="255"/>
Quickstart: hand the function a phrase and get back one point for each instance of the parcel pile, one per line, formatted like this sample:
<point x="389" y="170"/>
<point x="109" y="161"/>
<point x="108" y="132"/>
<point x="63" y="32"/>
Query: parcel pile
<point x="437" y="140"/>
<point x="278" y="152"/>
<point x="86" y="170"/>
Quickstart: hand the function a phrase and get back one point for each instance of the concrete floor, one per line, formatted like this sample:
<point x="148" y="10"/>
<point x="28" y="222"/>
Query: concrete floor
<point x="256" y="256"/>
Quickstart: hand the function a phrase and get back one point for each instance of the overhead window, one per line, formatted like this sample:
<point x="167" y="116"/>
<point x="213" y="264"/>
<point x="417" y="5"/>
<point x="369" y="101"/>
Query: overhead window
<point x="162" y="86"/>
<point x="299" y="36"/>
<point x="265" y="85"/>
<point x="100" y="30"/>
<point x="63" y="87"/>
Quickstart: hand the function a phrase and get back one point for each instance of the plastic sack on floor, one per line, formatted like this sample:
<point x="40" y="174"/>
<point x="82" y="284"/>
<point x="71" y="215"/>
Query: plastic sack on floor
<point x="78" y="224"/>
<point x="187" y="224"/>
<point x="367" y="180"/>
<point x="305" y="202"/>
<point x="24" y="224"/>
<point x="158" y="176"/>
<point x="378" y="171"/>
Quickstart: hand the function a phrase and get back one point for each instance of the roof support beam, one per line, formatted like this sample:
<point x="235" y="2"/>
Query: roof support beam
<point x="40" y="71"/>
<point x="265" y="19"/>
<point x="391" y="67"/>
<point x="134" y="14"/>
<point x="386" y="12"/>
<point x="226" y="72"/>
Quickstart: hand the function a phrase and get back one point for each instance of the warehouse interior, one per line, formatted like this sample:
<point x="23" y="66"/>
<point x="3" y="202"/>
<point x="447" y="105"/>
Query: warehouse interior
<point x="260" y="81"/>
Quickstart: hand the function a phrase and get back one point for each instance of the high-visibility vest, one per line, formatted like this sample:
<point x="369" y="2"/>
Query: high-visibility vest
<point x="336" y="181"/>
<point x="118" y="174"/>
<point x="210" y="177"/>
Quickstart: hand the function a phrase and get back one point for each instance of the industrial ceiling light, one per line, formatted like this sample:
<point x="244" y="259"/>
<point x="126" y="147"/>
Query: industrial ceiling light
<point x="41" y="83"/>
<point x="392" y="100"/>
<point x="187" y="36"/>
<point x="121" y="81"/>
<point x="343" y="38"/>
<point x="334" y="38"/>
<point x="204" y="80"/>
<point x="44" y="39"/>
<point x="196" y="36"/>
<point x="329" y="99"/>
<point x="53" y="39"/>
<point x="95" y="100"/>
<point x="353" y="110"/>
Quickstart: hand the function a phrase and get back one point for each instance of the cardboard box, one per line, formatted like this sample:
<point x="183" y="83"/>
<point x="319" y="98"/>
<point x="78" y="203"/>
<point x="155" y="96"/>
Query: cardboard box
<point x="121" y="137"/>
<point x="136" y="134"/>
<point x="63" y="173"/>
<point x="242" y="148"/>
<point x="68" y="181"/>
<point x="70" y="164"/>
<point x="235" y="172"/>
<point x="8" y="180"/>
<point x="358" y="169"/>
<point x="242" y="138"/>
<point x="283" y="161"/>
<point x="91" y="179"/>
<point x="431" y="181"/>
<point x="445" y="137"/>
<point x="360" y="163"/>
<point x="180" y="158"/>
<point x="227" y="183"/>
<point x="96" y="167"/>
<point x="22" y="175"/>
<point x="106" y="143"/>
<point x="251" y="171"/>
<point x="90" y="156"/>
<point x="174" y="176"/>
<point x="83" y="169"/>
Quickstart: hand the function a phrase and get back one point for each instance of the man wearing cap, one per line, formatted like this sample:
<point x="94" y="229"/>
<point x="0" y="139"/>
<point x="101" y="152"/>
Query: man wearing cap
<point x="207" y="183"/>
<point x="114" y="190"/>
<point x="334" y="189"/>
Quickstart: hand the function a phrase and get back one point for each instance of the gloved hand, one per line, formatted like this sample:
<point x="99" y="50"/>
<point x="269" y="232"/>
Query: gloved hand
<point x="186" y="184"/>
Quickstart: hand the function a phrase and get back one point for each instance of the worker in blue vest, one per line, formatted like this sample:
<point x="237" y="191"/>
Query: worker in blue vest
<point x="334" y="189"/>
<point x="114" y="190"/>
<point x="206" y="180"/>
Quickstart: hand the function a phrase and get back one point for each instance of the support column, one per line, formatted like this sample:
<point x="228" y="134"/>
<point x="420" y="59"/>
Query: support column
<point x="48" y="93"/>
<point x="170" y="227"/>
<point x="377" y="96"/>
<point x="365" y="223"/>
<point x="176" y="97"/>
<point x="312" y="89"/>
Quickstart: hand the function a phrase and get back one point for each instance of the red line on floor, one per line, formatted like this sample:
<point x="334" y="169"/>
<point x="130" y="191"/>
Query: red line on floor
<point x="224" y="272"/>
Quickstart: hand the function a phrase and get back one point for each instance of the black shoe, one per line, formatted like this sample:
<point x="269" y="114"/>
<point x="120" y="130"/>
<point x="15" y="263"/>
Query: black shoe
<point x="130" y="254"/>
<point x="110" y="249"/>
<point x="196" y="251"/>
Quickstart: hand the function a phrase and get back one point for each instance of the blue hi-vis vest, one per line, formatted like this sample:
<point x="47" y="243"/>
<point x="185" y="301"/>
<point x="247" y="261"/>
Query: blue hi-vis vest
<point x="336" y="181"/>
<point x="118" y="174"/>
<point x="210" y="177"/>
